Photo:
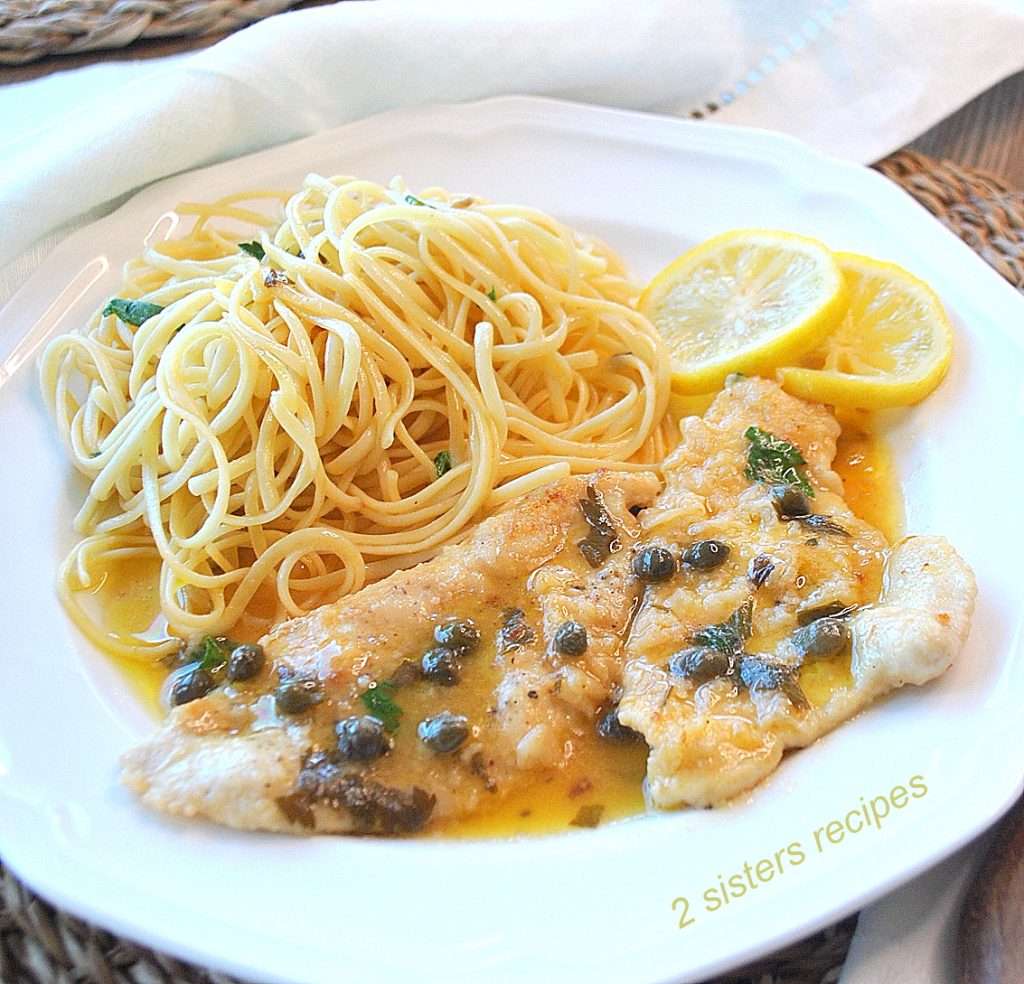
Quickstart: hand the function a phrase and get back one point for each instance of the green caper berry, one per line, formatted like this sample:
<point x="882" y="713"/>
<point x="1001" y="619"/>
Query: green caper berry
<point x="458" y="634"/>
<point x="760" y="569"/>
<point x="361" y="738"/>
<point x="441" y="665"/>
<point x="705" y="555"/>
<point x="822" y="637"/>
<point x="653" y="565"/>
<point x="807" y="615"/>
<point x="570" y="639"/>
<point x="789" y="501"/>
<point x="700" y="664"/>
<point x="609" y="726"/>
<point x="245" y="661"/>
<point x="296" y="696"/>
<point x="192" y="685"/>
<point x="444" y="733"/>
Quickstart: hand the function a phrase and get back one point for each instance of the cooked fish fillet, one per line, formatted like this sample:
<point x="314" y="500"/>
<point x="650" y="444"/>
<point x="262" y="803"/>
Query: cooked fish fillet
<point x="235" y="757"/>
<point x="805" y="622"/>
<point x="785" y="617"/>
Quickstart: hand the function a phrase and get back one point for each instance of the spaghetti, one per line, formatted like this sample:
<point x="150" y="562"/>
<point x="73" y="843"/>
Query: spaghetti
<point x="342" y="397"/>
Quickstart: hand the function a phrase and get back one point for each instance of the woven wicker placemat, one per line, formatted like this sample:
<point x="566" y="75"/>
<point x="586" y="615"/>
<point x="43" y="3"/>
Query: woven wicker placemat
<point x="43" y="945"/>
<point x="980" y="208"/>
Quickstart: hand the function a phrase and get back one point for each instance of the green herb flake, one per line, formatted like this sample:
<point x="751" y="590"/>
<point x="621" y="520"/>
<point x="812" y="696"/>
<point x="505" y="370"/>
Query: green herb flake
<point x="492" y="294"/>
<point x="442" y="462"/>
<point x="94" y="454"/>
<point x="773" y="461"/>
<point x="821" y="524"/>
<point x="380" y="702"/>
<point x="131" y="312"/>
<point x="728" y="636"/>
<point x="588" y="816"/>
<point x="253" y="249"/>
<point x="215" y="653"/>
<point x="413" y="200"/>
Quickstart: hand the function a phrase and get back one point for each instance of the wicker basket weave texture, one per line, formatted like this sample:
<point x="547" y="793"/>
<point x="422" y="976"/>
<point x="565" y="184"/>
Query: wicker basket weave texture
<point x="40" y="944"/>
<point x="31" y="29"/>
<point x="980" y="208"/>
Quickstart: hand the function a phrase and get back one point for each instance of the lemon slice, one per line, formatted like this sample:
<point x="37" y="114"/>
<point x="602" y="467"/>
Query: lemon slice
<point x="745" y="301"/>
<point x="891" y="349"/>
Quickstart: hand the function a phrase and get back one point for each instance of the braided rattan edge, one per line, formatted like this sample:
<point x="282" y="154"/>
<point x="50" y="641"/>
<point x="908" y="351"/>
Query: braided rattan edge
<point x="978" y="207"/>
<point x="40" y="944"/>
<point x="33" y="29"/>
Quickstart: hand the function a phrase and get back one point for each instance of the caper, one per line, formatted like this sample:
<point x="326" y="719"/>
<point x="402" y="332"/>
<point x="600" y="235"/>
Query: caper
<point x="458" y="634"/>
<point x="654" y="565"/>
<point x="296" y="696"/>
<point x="699" y="664"/>
<point x="760" y="570"/>
<point x="705" y="555"/>
<point x="361" y="738"/>
<point x="441" y="665"/>
<point x="245" y="661"/>
<point x="444" y="733"/>
<point x="822" y="637"/>
<point x="609" y="726"/>
<point x="807" y="615"/>
<point x="570" y="639"/>
<point x="789" y="501"/>
<point x="191" y="685"/>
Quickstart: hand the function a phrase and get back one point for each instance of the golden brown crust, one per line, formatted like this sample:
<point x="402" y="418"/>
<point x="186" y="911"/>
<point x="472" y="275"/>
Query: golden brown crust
<point x="712" y="739"/>
<point x="228" y="757"/>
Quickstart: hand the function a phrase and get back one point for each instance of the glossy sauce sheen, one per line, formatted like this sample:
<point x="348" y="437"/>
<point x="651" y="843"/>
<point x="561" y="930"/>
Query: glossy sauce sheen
<point x="865" y="464"/>
<point x="601" y="778"/>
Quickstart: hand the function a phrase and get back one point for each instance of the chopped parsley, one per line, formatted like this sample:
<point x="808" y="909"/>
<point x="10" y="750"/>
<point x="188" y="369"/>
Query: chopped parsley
<point x="253" y="249"/>
<point x="379" y="701"/>
<point x="215" y="652"/>
<point x="728" y="636"/>
<point x="131" y="312"/>
<point x="492" y="294"/>
<point x="413" y="200"/>
<point x="773" y="461"/>
<point x="442" y="462"/>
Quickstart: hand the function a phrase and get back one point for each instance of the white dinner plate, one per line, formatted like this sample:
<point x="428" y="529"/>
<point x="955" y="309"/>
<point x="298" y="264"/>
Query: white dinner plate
<point x="635" y="900"/>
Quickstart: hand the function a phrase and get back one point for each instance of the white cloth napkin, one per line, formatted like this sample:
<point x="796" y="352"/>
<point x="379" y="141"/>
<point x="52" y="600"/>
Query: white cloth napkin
<point x="854" y="78"/>
<point x="909" y="937"/>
